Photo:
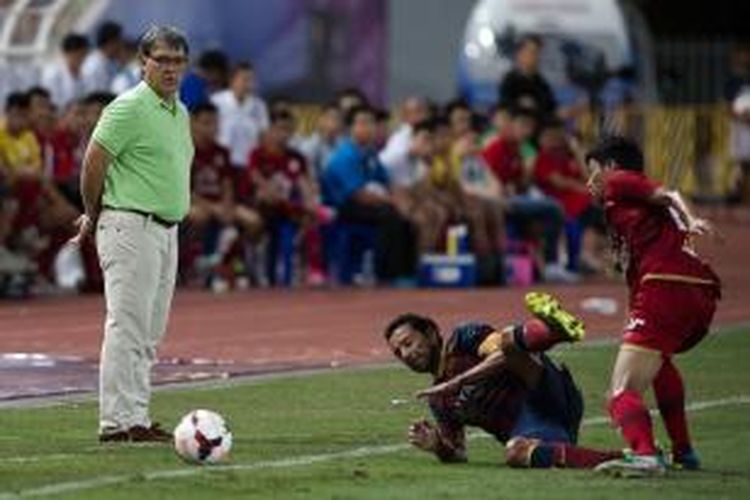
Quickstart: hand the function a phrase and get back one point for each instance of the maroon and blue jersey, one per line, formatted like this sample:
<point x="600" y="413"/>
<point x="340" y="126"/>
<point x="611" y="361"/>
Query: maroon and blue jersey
<point x="492" y="404"/>
<point x="501" y="404"/>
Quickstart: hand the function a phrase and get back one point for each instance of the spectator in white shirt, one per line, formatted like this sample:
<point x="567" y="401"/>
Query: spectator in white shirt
<point x="101" y="65"/>
<point x="63" y="79"/>
<point x="243" y="116"/>
<point x="130" y="69"/>
<point x="396" y="154"/>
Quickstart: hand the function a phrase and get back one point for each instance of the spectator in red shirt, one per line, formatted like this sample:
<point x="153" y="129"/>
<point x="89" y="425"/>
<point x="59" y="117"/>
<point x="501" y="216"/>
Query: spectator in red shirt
<point x="531" y="215"/>
<point x="57" y="150"/>
<point x="68" y="146"/>
<point x="278" y="175"/>
<point x="72" y="125"/>
<point x="560" y="175"/>
<point x="282" y="188"/>
<point x="503" y="154"/>
<point x="499" y="120"/>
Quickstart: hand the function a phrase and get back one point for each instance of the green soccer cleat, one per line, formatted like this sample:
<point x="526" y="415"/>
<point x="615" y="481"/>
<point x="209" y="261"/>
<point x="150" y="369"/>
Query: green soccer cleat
<point x="634" y="467"/>
<point x="545" y="307"/>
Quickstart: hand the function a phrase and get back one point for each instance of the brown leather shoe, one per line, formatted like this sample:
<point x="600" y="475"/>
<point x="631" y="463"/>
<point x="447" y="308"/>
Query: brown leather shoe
<point x="114" y="437"/>
<point x="141" y="434"/>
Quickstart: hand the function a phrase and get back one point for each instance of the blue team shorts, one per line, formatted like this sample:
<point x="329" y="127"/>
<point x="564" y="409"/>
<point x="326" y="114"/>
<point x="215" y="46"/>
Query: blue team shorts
<point x="553" y="410"/>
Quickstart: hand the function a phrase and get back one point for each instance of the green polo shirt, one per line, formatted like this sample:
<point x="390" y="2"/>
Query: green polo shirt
<point x="152" y="151"/>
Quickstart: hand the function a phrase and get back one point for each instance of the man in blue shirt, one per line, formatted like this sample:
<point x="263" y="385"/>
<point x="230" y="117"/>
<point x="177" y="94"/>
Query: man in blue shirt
<point x="209" y="74"/>
<point x="356" y="184"/>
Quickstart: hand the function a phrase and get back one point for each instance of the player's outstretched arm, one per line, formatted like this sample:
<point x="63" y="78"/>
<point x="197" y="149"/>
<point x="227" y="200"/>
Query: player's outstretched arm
<point x="489" y="366"/>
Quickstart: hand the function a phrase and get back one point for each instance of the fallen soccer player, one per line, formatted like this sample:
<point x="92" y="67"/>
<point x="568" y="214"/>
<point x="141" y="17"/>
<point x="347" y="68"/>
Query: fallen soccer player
<point x="502" y="382"/>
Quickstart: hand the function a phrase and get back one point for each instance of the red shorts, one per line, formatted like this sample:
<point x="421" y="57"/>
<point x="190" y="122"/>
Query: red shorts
<point x="670" y="316"/>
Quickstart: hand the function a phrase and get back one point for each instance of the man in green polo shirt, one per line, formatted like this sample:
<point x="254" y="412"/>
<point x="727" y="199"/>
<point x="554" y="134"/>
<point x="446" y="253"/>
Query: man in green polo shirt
<point x="135" y="184"/>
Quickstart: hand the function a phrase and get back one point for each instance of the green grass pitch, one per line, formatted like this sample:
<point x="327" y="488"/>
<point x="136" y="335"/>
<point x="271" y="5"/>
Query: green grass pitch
<point x="336" y="435"/>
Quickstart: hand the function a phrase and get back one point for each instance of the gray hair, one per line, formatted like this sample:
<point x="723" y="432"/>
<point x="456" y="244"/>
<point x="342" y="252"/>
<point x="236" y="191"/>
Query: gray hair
<point x="169" y="35"/>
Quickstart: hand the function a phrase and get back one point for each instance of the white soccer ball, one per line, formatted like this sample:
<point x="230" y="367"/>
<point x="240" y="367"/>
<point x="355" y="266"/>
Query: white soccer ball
<point x="202" y="437"/>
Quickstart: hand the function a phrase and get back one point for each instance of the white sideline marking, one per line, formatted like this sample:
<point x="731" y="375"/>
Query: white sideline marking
<point x="364" y="451"/>
<point x="39" y="458"/>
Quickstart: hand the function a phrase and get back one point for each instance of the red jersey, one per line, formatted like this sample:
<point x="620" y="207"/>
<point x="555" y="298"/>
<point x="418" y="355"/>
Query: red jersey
<point x="59" y="158"/>
<point x="287" y="168"/>
<point x="211" y="169"/>
<point x="559" y="161"/>
<point x="651" y="239"/>
<point x="503" y="156"/>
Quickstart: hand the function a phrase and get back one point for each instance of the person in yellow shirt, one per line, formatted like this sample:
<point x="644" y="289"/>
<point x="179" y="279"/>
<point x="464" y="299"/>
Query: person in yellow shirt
<point x="19" y="149"/>
<point x="21" y="160"/>
<point x="460" y="179"/>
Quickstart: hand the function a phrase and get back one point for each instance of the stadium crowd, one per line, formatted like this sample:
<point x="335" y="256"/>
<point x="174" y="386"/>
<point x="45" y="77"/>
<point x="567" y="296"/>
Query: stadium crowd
<point x="358" y="199"/>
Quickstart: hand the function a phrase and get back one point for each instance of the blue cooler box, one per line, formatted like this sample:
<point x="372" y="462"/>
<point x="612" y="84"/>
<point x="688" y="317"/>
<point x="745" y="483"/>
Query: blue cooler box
<point x="439" y="270"/>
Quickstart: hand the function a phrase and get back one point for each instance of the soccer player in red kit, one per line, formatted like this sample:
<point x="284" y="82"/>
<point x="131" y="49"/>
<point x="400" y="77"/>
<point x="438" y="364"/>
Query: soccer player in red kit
<point x="673" y="296"/>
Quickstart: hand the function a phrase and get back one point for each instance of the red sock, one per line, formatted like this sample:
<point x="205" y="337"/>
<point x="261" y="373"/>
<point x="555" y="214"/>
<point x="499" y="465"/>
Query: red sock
<point x="535" y="336"/>
<point x="577" y="457"/>
<point x="631" y="416"/>
<point x="523" y="452"/>
<point x="670" y="396"/>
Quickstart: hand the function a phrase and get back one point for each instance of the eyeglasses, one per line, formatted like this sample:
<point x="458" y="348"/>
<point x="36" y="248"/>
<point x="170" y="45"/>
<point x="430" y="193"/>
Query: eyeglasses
<point x="164" y="61"/>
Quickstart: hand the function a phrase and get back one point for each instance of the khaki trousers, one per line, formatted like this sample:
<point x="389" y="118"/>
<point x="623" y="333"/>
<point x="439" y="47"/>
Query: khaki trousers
<point x="139" y="260"/>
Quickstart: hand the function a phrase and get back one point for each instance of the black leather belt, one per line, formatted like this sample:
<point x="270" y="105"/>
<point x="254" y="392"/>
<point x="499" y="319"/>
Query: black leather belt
<point x="162" y="222"/>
